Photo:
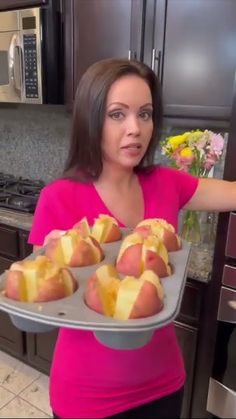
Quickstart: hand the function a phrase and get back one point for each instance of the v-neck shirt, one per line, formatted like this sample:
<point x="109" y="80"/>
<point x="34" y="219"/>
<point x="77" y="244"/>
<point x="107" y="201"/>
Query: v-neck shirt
<point x="88" y="379"/>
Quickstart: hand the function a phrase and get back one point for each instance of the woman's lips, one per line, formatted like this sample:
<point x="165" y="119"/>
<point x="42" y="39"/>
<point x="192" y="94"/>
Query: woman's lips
<point x="132" y="150"/>
<point x="132" y="145"/>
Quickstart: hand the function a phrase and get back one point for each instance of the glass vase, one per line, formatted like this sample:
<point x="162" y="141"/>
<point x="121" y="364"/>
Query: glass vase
<point x="191" y="230"/>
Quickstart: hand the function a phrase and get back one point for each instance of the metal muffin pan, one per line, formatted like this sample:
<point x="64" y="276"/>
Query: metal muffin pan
<point x="72" y="312"/>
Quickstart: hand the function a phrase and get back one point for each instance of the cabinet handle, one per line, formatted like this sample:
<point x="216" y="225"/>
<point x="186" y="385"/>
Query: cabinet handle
<point x="158" y="59"/>
<point x="153" y="59"/>
<point x="232" y="304"/>
<point x="132" y="56"/>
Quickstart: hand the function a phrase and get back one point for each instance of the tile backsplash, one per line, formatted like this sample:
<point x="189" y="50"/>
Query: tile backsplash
<point x="34" y="140"/>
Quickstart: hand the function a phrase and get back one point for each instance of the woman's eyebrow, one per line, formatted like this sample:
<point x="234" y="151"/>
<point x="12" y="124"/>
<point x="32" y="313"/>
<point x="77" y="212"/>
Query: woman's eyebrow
<point x="146" y="105"/>
<point x="126" y="106"/>
<point x="118" y="103"/>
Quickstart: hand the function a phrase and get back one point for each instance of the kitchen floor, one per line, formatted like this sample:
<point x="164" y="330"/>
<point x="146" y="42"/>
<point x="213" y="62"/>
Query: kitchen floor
<point x="23" y="390"/>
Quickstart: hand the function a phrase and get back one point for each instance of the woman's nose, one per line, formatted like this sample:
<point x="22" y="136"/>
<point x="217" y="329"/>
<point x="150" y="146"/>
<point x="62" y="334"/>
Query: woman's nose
<point x="133" y="125"/>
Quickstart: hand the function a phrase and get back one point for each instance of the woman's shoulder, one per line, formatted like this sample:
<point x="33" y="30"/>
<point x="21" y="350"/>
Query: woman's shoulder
<point x="163" y="171"/>
<point x="157" y="170"/>
<point x="166" y="176"/>
<point x="64" y="186"/>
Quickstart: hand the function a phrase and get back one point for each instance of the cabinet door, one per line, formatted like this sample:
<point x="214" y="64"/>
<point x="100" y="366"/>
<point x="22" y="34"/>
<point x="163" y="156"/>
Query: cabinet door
<point x="4" y="264"/>
<point x="187" y="337"/>
<point x="195" y="55"/>
<point x="8" y="241"/>
<point x="17" y="4"/>
<point x="24" y="248"/>
<point x="11" y="339"/>
<point x="99" y="29"/>
<point x="40" y="347"/>
<point x="190" y="309"/>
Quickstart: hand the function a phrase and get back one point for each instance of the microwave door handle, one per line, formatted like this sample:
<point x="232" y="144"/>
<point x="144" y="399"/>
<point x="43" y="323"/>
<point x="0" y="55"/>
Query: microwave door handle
<point x="17" y="68"/>
<point x="15" y="64"/>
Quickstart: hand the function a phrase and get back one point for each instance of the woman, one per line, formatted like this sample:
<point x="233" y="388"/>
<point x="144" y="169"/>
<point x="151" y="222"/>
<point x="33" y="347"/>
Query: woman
<point x="116" y="128"/>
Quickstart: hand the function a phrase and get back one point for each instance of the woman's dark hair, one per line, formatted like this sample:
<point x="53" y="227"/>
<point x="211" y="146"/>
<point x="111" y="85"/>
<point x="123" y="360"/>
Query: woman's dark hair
<point x="85" y="156"/>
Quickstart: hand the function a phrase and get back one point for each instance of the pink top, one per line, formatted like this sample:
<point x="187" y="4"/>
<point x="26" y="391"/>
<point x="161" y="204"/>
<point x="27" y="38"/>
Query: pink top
<point x="88" y="379"/>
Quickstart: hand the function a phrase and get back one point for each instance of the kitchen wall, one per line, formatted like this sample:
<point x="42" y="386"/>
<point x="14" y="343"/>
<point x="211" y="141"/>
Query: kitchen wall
<point x="34" y="140"/>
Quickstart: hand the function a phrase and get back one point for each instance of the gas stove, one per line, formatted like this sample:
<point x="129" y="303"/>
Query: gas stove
<point x="18" y="193"/>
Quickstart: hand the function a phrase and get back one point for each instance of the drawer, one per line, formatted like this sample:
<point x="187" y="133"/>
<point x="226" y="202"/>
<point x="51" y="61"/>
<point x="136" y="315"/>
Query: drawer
<point x="9" y="242"/>
<point x="230" y="247"/>
<point x="227" y="305"/>
<point x="229" y="276"/>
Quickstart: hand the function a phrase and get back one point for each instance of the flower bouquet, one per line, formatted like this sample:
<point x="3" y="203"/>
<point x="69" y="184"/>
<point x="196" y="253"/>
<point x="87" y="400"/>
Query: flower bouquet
<point x="195" y="152"/>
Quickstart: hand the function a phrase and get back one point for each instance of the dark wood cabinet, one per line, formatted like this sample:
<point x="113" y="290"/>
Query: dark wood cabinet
<point x="193" y="52"/>
<point x="8" y="242"/>
<point x="12" y="340"/>
<point x="189" y="44"/>
<point x="187" y="326"/>
<point x="24" y="247"/>
<point x="34" y="349"/>
<point x="18" y="4"/>
<point x="4" y="263"/>
<point x="40" y="347"/>
<point x="95" y="30"/>
<point x="187" y="337"/>
<point x="13" y="246"/>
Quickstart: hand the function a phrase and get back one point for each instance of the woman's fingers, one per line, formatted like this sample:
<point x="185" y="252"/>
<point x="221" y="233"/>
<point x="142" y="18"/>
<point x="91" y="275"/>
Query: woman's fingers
<point x="54" y="234"/>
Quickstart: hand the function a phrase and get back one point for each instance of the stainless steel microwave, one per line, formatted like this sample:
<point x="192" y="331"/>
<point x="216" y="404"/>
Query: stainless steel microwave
<point x="30" y="55"/>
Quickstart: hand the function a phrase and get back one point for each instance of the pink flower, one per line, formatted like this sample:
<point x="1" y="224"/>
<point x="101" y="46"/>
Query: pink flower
<point x="182" y="162"/>
<point x="216" y="144"/>
<point x="210" y="160"/>
<point x="201" y="144"/>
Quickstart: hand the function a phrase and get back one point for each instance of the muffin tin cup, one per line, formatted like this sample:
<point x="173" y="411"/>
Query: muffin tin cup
<point x="72" y="312"/>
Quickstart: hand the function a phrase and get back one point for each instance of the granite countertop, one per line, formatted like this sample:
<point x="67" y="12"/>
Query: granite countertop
<point x="200" y="260"/>
<point x="16" y="219"/>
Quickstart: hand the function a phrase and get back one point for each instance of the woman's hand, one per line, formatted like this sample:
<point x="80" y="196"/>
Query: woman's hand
<point x="54" y="234"/>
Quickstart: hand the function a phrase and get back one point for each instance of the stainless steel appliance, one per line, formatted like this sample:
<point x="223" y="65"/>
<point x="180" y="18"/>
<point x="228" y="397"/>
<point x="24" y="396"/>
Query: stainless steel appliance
<point x="214" y="381"/>
<point x="222" y="386"/>
<point x="30" y="51"/>
<point x="18" y="193"/>
<point x="221" y="400"/>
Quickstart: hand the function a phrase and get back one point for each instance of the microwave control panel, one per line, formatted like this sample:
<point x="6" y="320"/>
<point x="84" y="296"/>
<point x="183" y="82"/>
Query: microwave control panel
<point x="30" y="66"/>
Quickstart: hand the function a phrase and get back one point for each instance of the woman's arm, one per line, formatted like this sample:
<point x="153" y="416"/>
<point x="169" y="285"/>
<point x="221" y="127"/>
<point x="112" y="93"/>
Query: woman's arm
<point x="213" y="195"/>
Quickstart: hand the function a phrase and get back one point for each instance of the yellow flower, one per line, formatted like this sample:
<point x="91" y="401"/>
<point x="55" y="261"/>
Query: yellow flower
<point x="186" y="152"/>
<point x="176" y="140"/>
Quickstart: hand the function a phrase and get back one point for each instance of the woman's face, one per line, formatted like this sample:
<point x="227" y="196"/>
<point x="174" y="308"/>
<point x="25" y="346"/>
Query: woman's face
<point x="128" y="124"/>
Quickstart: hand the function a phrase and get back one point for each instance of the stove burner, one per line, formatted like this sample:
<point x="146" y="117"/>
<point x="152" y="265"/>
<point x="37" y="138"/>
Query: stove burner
<point x="24" y="189"/>
<point x="19" y="193"/>
<point x="20" y="202"/>
<point x="6" y="176"/>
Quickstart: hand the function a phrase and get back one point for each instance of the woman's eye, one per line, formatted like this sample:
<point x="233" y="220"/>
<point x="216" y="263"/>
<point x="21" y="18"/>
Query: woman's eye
<point x="146" y="115"/>
<point x="116" y="115"/>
